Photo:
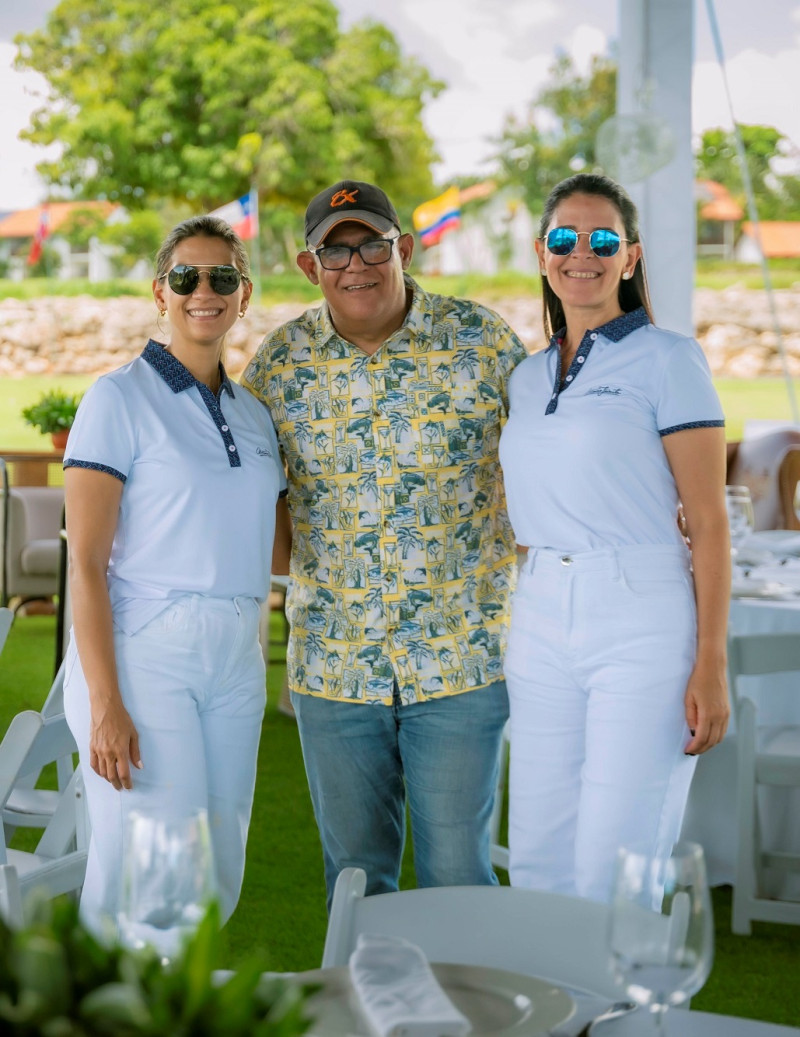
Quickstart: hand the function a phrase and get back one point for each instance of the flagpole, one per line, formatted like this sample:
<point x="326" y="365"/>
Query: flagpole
<point x="255" y="258"/>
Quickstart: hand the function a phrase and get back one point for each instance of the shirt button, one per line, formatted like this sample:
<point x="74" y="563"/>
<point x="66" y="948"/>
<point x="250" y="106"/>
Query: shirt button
<point x="224" y="428"/>
<point x="568" y="378"/>
<point x="566" y="560"/>
<point x="581" y="359"/>
<point x="232" y="448"/>
<point x="593" y="336"/>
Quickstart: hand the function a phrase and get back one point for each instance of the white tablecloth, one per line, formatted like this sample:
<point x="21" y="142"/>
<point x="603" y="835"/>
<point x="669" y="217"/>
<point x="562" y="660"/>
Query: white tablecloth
<point x="711" y="812"/>
<point x="694" y="1024"/>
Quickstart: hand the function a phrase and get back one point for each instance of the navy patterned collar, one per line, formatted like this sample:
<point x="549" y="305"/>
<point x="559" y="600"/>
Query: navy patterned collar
<point x="615" y="330"/>
<point x="174" y="373"/>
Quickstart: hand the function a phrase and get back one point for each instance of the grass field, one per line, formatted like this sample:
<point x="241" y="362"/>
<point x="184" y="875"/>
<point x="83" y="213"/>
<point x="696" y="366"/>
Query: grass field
<point x="291" y="285"/>
<point x="742" y="399"/>
<point x="281" y="913"/>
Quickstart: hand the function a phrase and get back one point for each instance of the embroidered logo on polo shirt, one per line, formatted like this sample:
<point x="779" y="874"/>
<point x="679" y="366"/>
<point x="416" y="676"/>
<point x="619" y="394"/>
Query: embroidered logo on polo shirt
<point x="263" y="452"/>
<point x="604" y="390"/>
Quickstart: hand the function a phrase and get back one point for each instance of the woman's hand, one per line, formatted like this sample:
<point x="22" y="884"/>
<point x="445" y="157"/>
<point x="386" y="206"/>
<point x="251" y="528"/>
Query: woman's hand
<point x="113" y="744"/>
<point x="707" y="707"/>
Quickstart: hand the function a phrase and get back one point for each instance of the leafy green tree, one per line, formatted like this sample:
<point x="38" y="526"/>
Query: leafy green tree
<point x="191" y="102"/>
<point x="136" y="238"/>
<point x="558" y="133"/>
<point x="777" y="195"/>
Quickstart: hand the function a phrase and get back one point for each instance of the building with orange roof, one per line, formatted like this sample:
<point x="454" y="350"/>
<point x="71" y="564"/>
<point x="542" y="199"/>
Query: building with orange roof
<point x="780" y="239"/>
<point x="718" y="213"/>
<point x="19" y="229"/>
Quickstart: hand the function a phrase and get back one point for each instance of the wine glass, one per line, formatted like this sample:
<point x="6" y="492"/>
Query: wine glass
<point x="168" y="879"/>
<point x="661" y="932"/>
<point x="741" y="520"/>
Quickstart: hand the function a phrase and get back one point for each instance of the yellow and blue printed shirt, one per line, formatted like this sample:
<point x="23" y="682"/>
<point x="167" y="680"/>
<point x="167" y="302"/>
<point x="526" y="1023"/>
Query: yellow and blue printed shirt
<point x="403" y="557"/>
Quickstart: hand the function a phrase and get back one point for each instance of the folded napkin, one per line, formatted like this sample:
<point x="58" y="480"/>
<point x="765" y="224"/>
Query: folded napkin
<point x="398" y="991"/>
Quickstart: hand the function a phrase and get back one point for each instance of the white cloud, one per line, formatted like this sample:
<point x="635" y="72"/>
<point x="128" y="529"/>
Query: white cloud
<point x="763" y="91"/>
<point x="20" y="186"/>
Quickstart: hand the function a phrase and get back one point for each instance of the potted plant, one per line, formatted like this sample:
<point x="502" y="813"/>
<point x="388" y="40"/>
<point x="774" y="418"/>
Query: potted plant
<point x="53" y="412"/>
<point x="56" y="978"/>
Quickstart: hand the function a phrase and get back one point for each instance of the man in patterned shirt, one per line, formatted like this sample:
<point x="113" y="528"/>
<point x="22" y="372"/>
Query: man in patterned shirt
<point x="388" y="403"/>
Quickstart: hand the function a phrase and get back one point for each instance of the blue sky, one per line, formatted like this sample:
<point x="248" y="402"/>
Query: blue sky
<point x="494" y="56"/>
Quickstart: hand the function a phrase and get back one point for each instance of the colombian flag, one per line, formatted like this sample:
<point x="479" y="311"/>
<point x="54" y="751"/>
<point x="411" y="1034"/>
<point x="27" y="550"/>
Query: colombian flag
<point x="435" y="218"/>
<point x="242" y="215"/>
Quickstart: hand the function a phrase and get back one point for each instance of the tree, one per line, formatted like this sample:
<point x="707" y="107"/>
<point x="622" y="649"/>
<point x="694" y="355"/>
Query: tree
<point x="557" y="136"/>
<point x="777" y="195"/>
<point x="192" y="102"/>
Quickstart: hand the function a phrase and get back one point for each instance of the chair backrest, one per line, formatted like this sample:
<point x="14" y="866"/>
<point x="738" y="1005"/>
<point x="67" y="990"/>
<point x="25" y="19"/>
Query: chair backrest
<point x="30" y="743"/>
<point x="555" y="937"/>
<point x="753" y="655"/>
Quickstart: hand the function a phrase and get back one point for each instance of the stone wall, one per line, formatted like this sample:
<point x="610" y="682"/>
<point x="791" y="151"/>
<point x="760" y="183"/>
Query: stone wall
<point x="84" y="335"/>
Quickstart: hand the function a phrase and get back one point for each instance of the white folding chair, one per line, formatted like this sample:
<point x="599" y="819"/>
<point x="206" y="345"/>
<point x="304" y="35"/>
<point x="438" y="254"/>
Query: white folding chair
<point x="767" y="755"/>
<point x="31" y="807"/>
<point x="58" y="863"/>
<point x="555" y="937"/>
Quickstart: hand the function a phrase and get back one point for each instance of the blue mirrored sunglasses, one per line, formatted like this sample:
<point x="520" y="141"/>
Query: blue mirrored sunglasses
<point x="603" y="242"/>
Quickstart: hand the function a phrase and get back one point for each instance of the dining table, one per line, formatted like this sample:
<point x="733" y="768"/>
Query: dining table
<point x="336" y="1012"/>
<point x="765" y="599"/>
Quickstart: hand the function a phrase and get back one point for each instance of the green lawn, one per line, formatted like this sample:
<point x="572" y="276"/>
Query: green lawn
<point x="282" y="909"/>
<point x="741" y="399"/>
<point x="291" y="284"/>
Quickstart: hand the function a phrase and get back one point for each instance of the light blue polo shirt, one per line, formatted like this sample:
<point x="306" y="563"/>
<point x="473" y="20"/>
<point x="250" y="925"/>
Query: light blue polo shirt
<point x="583" y="462"/>
<point x="201" y="476"/>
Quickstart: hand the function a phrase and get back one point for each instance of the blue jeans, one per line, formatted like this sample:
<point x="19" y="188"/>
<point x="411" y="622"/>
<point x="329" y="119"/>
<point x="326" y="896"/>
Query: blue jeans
<point x="362" y="761"/>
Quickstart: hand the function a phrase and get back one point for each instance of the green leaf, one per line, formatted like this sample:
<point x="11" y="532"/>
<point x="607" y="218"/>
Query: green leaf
<point x="116" y="1008"/>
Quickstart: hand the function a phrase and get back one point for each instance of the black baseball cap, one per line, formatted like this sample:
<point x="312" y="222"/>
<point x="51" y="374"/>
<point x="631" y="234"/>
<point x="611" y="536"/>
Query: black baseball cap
<point x="348" y="200"/>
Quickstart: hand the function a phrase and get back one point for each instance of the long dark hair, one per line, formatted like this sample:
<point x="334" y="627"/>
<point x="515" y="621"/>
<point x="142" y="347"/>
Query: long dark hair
<point x="632" y="293"/>
<point x="205" y="227"/>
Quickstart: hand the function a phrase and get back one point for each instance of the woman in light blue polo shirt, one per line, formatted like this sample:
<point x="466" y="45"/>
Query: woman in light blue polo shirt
<point x="616" y="657"/>
<point x="172" y="479"/>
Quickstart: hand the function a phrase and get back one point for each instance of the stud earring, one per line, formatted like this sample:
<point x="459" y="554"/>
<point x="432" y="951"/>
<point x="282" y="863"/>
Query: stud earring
<point x="162" y="313"/>
<point x="626" y="276"/>
<point x="242" y="312"/>
<point x="543" y="272"/>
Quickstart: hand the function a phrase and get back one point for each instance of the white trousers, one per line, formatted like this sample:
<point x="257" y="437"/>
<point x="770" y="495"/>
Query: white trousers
<point x="193" y="681"/>
<point x="601" y="647"/>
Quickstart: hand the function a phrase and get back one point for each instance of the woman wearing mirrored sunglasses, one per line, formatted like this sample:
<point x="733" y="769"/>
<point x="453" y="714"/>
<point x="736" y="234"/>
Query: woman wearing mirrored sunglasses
<point x="616" y="657"/>
<point x="172" y="480"/>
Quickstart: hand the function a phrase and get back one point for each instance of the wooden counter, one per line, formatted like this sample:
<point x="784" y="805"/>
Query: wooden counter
<point x="30" y="467"/>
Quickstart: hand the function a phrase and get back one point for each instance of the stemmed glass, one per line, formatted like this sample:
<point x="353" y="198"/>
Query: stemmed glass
<point x="661" y="932"/>
<point x="168" y="880"/>
<point x="741" y="521"/>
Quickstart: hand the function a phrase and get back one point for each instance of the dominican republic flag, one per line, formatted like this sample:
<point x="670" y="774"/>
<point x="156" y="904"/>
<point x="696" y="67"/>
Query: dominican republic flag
<point x="242" y="215"/>
<point x="42" y="231"/>
<point x="435" y="218"/>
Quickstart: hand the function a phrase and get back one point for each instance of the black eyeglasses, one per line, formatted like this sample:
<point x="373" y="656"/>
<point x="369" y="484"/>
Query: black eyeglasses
<point x="337" y="257"/>
<point x="183" y="279"/>
<point x="603" y="242"/>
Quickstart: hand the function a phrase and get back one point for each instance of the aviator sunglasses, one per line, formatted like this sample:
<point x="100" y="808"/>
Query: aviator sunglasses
<point x="183" y="279"/>
<point x="603" y="242"/>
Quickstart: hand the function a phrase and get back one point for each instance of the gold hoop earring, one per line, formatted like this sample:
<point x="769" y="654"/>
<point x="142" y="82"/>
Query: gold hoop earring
<point x="242" y="312"/>
<point x="162" y="313"/>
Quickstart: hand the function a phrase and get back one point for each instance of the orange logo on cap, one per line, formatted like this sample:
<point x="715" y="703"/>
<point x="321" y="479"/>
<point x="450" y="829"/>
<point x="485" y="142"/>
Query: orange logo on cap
<point x="343" y="197"/>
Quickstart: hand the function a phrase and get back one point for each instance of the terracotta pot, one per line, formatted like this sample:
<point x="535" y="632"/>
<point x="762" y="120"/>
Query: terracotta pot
<point x="60" y="438"/>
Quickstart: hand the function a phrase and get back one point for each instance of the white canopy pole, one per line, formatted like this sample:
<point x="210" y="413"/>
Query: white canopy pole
<point x="656" y="47"/>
